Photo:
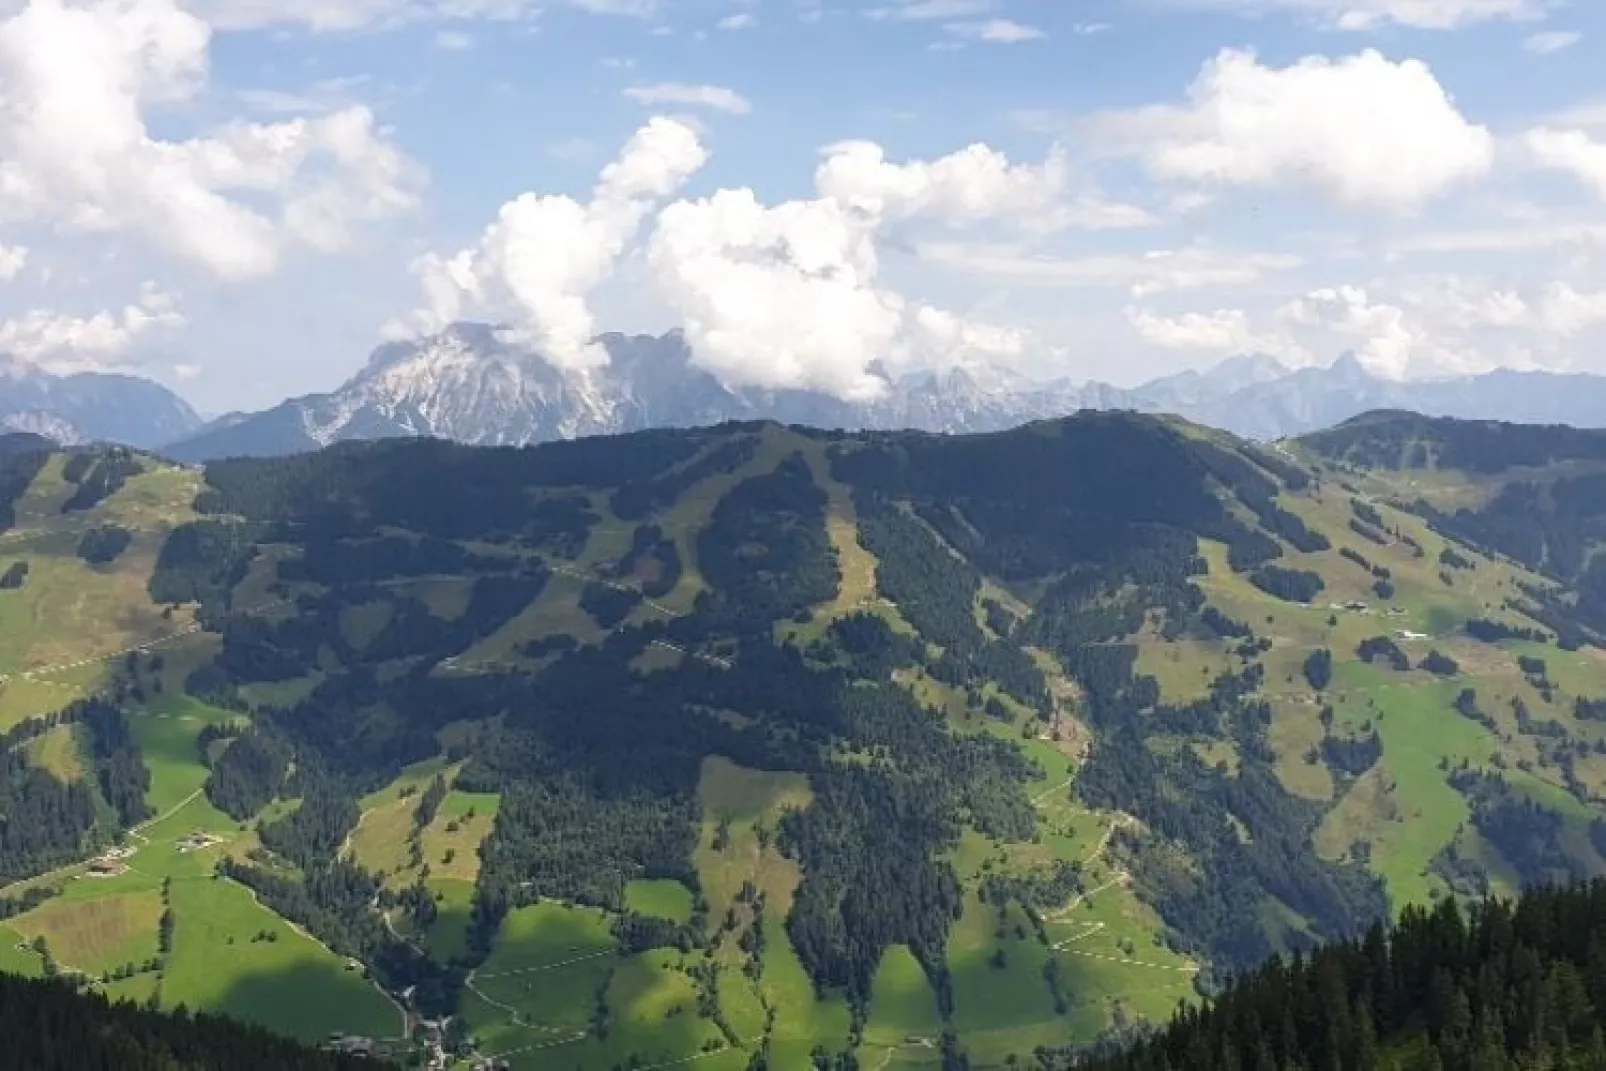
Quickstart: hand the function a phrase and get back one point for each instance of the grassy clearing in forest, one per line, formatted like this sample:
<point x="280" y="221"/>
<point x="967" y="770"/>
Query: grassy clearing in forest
<point x="59" y="751"/>
<point x="97" y="935"/>
<point x="286" y="982"/>
<point x="902" y="1004"/>
<point x="661" y="898"/>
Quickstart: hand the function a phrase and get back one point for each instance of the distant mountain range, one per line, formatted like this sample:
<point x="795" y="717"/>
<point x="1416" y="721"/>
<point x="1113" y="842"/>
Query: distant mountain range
<point x="91" y="407"/>
<point x="469" y="385"/>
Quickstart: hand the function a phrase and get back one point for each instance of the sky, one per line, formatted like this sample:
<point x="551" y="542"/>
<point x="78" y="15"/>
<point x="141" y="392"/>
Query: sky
<point x="242" y="198"/>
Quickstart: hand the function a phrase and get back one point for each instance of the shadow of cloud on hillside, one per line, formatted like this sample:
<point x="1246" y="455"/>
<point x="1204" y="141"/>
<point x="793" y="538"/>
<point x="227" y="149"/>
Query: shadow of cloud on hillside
<point x="308" y="1001"/>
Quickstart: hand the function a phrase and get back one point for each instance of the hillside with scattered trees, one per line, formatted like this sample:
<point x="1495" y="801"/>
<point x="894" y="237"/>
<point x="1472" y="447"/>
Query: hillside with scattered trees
<point x="785" y="748"/>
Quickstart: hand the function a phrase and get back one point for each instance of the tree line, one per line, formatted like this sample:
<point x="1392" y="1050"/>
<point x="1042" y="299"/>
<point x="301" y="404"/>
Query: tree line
<point x="1502" y="987"/>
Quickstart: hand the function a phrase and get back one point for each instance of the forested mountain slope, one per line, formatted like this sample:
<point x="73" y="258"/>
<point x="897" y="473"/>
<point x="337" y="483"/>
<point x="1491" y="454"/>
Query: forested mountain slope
<point x="48" y="1026"/>
<point x="1531" y="493"/>
<point x="772" y="747"/>
<point x="1504" y="986"/>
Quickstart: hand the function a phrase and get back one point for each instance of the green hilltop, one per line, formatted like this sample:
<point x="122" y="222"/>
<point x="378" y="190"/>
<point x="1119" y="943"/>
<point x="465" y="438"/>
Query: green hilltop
<point x="772" y="747"/>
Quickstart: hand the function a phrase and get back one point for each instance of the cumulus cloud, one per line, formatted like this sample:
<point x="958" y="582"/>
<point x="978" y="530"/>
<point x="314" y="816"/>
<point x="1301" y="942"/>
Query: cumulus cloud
<point x="994" y="32"/>
<point x="778" y="296"/>
<point x="973" y="185"/>
<point x="738" y="20"/>
<point x="1222" y="331"/>
<point x="75" y="83"/>
<point x="61" y="343"/>
<point x="1459" y="305"/>
<point x="1437" y="325"/>
<point x="949" y="339"/>
<point x="1363" y="130"/>
<point x="718" y="98"/>
<point x="1573" y="151"/>
<point x="1370" y="14"/>
<point x="536" y="265"/>
<point x="1567" y="312"/>
<point x="13" y="258"/>
<point x="1383" y="342"/>
<point x="791" y="295"/>
<point x="1388" y="338"/>
<point x="1549" y="317"/>
<point x="787" y="295"/>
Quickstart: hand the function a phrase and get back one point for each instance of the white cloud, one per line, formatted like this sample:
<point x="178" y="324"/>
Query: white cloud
<point x="1461" y="306"/>
<point x="791" y="295"/>
<point x="367" y="179"/>
<point x="1362" y="130"/>
<point x="537" y="264"/>
<point x="1142" y="274"/>
<point x="61" y="343"/>
<point x="1370" y="14"/>
<point x="13" y="258"/>
<point x="1551" y="315"/>
<point x="1567" y="312"/>
<point x="454" y="41"/>
<point x="185" y="372"/>
<point x="1385" y="337"/>
<point x="949" y="339"/>
<point x="788" y="297"/>
<point x="1441" y="325"/>
<point x="974" y="184"/>
<point x="777" y="297"/>
<point x="1225" y="331"/>
<point x="76" y="151"/>
<point x="994" y="32"/>
<point x="1545" y="44"/>
<point x="700" y="96"/>
<point x="1573" y="151"/>
<point x="739" y="20"/>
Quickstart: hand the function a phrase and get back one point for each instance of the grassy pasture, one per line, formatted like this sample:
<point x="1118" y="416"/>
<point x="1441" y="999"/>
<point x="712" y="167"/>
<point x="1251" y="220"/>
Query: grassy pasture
<point x="662" y="898"/>
<point x="289" y="983"/>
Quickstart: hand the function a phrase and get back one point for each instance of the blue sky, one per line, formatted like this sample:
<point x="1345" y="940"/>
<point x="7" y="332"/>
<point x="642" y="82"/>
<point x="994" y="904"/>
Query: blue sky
<point x="241" y="198"/>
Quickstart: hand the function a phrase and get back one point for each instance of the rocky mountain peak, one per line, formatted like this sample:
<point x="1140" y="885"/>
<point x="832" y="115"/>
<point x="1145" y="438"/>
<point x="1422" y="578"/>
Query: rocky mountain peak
<point x="476" y="385"/>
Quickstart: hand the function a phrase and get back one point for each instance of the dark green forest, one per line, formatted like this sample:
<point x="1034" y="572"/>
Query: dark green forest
<point x="1498" y="987"/>
<point x="52" y="1026"/>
